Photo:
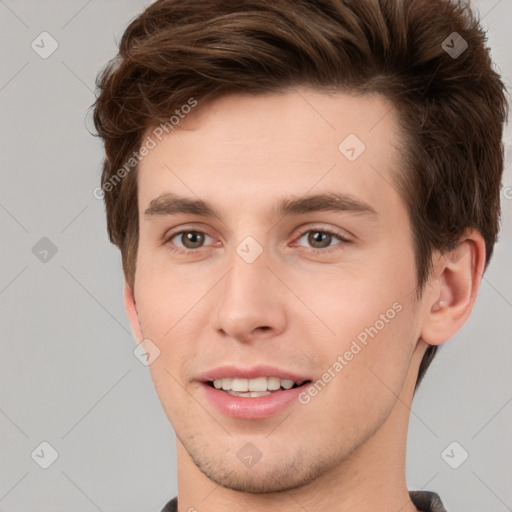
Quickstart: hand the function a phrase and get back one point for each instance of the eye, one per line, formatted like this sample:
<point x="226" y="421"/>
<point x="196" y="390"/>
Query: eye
<point x="186" y="240"/>
<point x="319" y="239"/>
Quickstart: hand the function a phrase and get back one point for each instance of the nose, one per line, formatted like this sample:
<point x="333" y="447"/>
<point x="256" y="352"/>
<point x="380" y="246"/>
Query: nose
<point x="250" y="301"/>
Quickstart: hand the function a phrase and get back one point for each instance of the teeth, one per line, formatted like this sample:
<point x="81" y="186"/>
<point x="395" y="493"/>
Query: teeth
<point x="258" y="385"/>
<point x="252" y="394"/>
<point x="238" y="385"/>
<point x="273" y="383"/>
<point x="287" y="384"/>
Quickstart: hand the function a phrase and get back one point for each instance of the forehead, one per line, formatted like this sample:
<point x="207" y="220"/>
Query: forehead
<point x="253" y="147"/>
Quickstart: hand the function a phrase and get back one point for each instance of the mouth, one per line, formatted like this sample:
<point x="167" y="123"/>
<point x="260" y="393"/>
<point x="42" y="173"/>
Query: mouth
<point x="252" y="394"/>
<point x="256" y="387"/>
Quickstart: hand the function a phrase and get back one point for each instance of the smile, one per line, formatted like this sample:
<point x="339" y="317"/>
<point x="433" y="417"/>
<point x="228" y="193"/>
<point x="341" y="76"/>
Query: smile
<point x="254" y="388"/>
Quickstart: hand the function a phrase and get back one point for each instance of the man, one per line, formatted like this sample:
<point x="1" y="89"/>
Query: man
<point x="305" y="196"/>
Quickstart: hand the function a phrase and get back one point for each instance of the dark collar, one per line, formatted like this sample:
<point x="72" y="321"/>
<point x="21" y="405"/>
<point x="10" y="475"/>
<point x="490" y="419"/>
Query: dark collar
<point x="425" y="501"/>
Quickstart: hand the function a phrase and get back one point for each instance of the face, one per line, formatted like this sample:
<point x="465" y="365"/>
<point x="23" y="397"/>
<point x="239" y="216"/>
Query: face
<point x="274" y="249"/>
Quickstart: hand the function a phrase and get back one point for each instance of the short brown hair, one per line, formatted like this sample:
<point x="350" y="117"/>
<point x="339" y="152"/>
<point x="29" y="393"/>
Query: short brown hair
<point x="451" y="107"/>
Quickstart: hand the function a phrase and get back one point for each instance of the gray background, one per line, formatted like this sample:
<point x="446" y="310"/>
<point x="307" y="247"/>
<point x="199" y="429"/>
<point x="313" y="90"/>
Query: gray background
<point x="69" y="376"/>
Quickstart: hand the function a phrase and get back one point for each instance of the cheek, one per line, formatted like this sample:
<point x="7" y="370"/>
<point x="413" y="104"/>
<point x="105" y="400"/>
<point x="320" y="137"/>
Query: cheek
<point x="350" y="298"/>
<point x="371" y="313"/>
<point x="370" y="365"/>
<point x="167" y="295"/>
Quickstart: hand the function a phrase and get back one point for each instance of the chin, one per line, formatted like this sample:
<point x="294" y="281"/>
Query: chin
<point x="266" y="480"/>
<point x="276" y="474"/>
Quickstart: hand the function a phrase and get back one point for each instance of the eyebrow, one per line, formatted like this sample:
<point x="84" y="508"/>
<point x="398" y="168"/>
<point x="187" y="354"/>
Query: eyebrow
<point x="172" y="204"/>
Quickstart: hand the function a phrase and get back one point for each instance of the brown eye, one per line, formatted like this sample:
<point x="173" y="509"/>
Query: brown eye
<point x="322" y="240"/>
<point x="319" y="239"/>
<point x="192" y="239"/>
<point x="187" y="240"/>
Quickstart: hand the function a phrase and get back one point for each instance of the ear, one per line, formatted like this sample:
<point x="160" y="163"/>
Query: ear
<point x="452" y="289"/>
<point x="131" y="311"/>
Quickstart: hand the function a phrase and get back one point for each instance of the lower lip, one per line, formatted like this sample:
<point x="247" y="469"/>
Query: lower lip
<point x="249" y="408"/>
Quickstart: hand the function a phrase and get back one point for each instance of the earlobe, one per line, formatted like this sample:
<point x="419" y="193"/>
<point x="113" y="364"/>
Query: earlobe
<point x="453" y="289"/>
<point x="132" y="313"/>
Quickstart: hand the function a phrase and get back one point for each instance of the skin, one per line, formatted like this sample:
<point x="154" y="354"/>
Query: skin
<point x="293" y="307"/>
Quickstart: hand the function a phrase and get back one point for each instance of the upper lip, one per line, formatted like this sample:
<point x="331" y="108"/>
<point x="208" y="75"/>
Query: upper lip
<point x="237" y="372"/>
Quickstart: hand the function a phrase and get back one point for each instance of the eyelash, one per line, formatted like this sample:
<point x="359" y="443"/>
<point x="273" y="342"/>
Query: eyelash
<point x="328" y="249"/>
